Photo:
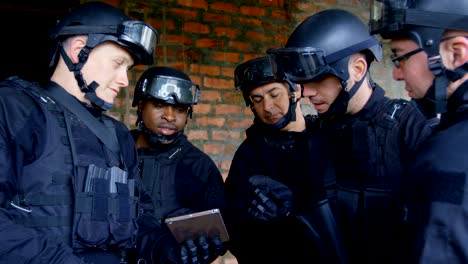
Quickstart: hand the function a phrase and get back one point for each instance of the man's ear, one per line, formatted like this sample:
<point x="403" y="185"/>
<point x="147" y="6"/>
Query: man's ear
<point x="298" y="93"/>
<point x="459" y="47"/>
<point x="76" y="44"/>
<point x="358" y="67"/>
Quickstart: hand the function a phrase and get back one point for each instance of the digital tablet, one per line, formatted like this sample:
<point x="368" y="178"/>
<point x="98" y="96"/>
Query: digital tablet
<point x="191" y="226"/>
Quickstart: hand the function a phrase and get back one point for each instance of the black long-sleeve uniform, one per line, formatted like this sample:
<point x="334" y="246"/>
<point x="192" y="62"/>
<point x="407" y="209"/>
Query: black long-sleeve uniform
<point x="298" y="160"/>
<point x="181" y="179"/>
<point x="437" y="189"/>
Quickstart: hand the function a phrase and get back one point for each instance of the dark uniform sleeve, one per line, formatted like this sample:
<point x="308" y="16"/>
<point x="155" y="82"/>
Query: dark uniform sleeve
<point x="239" y="223"/>
<point x="305" y="171"/>
<point x="416" y="128"/>
<point x="438" y="208"/>
<point x="22" y="139"/>
<point x="199" y="186"/>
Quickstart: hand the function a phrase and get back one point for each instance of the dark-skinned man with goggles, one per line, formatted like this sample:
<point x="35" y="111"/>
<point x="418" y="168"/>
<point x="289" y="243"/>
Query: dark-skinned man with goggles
<point x="277" y="187"/>
<point x="370" y="135"/>
<point x="437" y="180"/>
<point x="180" y="178"/>
<point x="69" y="188"/>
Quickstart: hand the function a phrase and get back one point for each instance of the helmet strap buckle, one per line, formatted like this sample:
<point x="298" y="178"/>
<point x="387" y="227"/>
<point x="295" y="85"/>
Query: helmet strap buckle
<point x="84" y="53"/>
<point x="435" y="65"/>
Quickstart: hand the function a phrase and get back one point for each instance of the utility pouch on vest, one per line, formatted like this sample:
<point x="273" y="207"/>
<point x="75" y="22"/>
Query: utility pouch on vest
<point x="105" y="210"/>
<point x="365" y="217"/>
<point x="363" y="207"/>
<point x="377" y="205"/>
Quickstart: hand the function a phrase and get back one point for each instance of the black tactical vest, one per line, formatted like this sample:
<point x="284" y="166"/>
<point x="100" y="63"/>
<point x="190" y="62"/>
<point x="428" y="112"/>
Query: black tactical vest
<point x="65" y="191"/>
<point x="369" y="166"/>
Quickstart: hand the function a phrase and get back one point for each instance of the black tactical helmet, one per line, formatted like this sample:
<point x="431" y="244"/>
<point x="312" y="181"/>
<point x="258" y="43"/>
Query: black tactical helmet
<point x="322" y="44"/>
<point x="424" y="22"/>
<point x="102" y="22"/>
<point x="168" y="85"/>
<point x="251" y="74"/>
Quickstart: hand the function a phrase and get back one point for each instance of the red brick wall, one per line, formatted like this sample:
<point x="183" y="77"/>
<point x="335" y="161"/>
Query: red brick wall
<point x="207" y="39"/>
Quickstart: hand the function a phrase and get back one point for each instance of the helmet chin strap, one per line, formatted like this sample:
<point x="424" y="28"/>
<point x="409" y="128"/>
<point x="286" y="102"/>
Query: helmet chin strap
<point x="340" y="105"/>
<point x="96" y="101"/>
<point x="435" y="100"/>
<point x="458" y="73"/>
<point x="89" y="90"/>
<point x="438" y="95"/>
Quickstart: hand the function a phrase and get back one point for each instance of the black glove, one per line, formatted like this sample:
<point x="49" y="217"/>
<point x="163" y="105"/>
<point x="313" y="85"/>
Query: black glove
<point x="271" y="199"/>
<point x="202" y="250"/>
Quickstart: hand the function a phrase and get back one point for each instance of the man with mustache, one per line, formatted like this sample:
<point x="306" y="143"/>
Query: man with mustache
<point x="181" y="178"/>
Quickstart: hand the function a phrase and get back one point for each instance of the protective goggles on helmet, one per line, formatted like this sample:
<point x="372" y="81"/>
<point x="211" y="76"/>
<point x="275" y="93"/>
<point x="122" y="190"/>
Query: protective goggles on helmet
<point x="393" y="15"/>
<point x="138" y="33"/>
<point x="130" y="33"/>
<point x="302" y="65"/>
<point x="253" y="73"/>
<point x="298" y="64"/>
<point x="167" y="88"/>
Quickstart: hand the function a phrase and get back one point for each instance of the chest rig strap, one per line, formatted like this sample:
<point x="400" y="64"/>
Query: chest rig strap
<point x="99" y="129"/>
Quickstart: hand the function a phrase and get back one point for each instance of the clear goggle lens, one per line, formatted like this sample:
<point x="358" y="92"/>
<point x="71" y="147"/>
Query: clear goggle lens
<point x="139" y="33"/>
<point x="168" y="88"/>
